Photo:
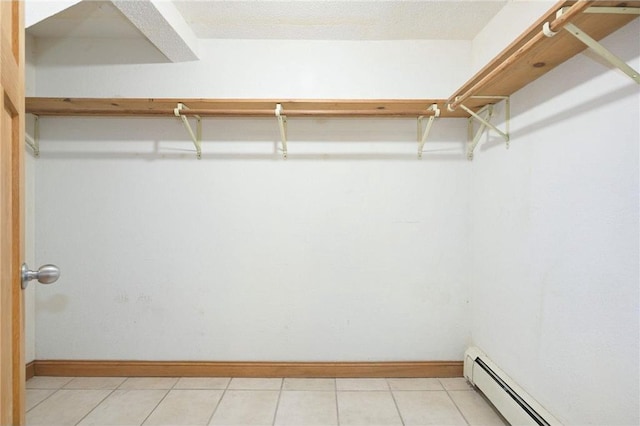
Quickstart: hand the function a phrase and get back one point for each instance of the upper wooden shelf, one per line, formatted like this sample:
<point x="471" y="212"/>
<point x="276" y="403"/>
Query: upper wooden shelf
<point x="533" y="54"/>
<point x="237" y="107"/>
<point x="527" y="58"/>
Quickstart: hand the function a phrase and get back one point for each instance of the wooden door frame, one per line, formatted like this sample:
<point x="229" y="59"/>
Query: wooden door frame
<point x="12" y="68"/>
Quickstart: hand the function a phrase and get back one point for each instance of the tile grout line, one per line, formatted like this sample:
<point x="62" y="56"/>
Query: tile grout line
<point x="275" y="414"/>
<point x="175" y="383"/>
<point x="156" y="407"/>
<point x="395" y="402"/>
<point x="97" y="405"/>
<point x="123" y="382"/>
<point x="94" y="387"/>
<point x="58" y="388"/>
<point x="55" y="391"/>
<point x="454" y="403"/>
<point x="159" y="402"/>
<point x="224" y="392"/>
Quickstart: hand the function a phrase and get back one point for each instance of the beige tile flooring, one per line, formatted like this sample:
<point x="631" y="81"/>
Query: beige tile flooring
<point x="111" y="401"/>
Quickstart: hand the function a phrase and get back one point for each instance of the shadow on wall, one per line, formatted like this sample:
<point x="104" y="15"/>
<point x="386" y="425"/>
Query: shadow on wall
<point x="573" y="110"/>
<point x="490" y="140"/>
<point x="580" y="75"/>
<point x="60" y="52"/>
<point x="249" y="139"/>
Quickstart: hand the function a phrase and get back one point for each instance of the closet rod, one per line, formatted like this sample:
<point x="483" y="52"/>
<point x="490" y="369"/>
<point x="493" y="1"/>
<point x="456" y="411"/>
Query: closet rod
<point x="557" y="24"/>
<point x="307" y="113"/>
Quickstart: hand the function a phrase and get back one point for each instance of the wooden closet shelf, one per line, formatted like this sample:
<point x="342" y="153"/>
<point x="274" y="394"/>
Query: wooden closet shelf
<point x="237" y="107"/>
<point x="533" y="54"/>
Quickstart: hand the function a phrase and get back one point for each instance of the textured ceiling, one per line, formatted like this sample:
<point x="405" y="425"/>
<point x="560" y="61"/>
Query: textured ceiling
<point x="339" y="20"/>
<point x="299" y="19"/>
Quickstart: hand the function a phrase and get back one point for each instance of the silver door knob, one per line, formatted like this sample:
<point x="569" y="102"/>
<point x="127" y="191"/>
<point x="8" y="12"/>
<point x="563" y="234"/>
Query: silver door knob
<point x="46" y="274"/>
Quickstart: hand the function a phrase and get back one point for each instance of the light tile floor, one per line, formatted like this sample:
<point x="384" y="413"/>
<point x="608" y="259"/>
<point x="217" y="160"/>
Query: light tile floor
<point x="110" y="401"/>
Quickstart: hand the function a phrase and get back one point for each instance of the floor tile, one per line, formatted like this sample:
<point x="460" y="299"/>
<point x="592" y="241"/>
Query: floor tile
<point x="185" y="407"/>
<point x="367" y="408"/>
<point x="476" y="409"/>
<point x="124" y="407"/>
<point x="246" y="408"/>
<point x="202" y="383"/>
<point x="94" y="383"/>
<point x="66" y="407"/>
<point x="254" y="401"/>
<point x="149" y="383"/>
<point x="421" y="408"/>
<point x="36" y="396"/>
<point x="46" y="382"/>
<point x="309" y="384"/>
<point x="361" y="384"/>
<point x="417" y="384"/>
<point x="244" y="383"/>
<point x="456" y="384"/>
<point x="309" y="408"/>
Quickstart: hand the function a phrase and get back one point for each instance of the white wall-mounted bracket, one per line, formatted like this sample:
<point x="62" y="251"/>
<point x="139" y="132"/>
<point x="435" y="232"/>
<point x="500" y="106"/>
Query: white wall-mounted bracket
<point x="595" y="46"/>
<point x="475" y="138"/>
<point x="34" y="142"/>
<point x="422" y="136"/>
<point x="282" y="124"/>
<point x="485" y="122"/>
<point x="195" y="137"/>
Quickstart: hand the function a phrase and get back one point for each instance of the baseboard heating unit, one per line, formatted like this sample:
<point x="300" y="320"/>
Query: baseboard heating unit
<point x="515" y="405"/>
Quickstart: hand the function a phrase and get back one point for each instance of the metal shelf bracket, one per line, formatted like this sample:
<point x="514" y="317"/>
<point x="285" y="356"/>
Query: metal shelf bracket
<point x="34" y="142"/>
<point x="474" y="139"/>
<point x="195" y="137"/>
<point x="485" y="122"/>
<point x="282" y="124"/>
<point x="422" y="136"/>
<point x="598" y="48"/>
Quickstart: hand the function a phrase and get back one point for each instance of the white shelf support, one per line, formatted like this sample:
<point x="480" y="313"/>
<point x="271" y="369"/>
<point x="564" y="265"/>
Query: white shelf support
<point x="34" y="142"/>
<point x="282" y="124"/>
<point x="595" y="46"/>
<point x="485" y="122"/>
<point x="422" y="136"/>
<point x="603" y="52"/>
<point x="474" y="139"/>
<point x="195" y="137"/>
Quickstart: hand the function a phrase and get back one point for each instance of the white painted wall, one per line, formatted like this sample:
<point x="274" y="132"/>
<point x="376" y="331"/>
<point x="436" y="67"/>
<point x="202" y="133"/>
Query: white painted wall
<point x="30" y="292"/>
<point x="254" y="69"/>
<point x="352" y="249"/>
<point x="555" y="241"/>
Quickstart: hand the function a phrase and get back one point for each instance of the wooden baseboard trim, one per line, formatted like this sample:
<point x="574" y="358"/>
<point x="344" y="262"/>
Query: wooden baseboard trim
<point x="30" y="370"/>
<point x="247" y="369"/>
